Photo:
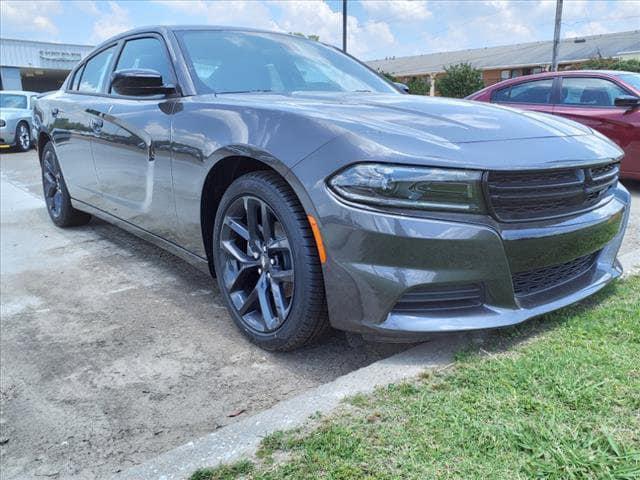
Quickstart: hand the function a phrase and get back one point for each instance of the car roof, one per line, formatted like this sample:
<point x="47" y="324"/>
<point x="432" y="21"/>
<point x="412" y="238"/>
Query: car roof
<point x="19" y="92"/>
<point x="175" y="28"/>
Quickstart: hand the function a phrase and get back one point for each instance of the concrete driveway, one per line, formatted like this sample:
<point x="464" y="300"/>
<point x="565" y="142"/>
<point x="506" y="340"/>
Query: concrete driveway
<point x="113" y="351"/>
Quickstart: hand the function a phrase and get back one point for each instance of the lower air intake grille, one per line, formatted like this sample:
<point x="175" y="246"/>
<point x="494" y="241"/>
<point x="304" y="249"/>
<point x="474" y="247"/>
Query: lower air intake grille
<point x="540" y="279"/>
<point x="428" y="298"/>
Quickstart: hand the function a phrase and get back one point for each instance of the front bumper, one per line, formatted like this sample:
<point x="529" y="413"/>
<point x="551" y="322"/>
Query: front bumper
<point x="8" y="135"/>
<point x="375" y="258"/>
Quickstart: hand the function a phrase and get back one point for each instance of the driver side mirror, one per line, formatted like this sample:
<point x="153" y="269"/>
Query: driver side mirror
<point x="140" y="82"/>
<point x="628" y="101"/>
<point x="402" y="87"/>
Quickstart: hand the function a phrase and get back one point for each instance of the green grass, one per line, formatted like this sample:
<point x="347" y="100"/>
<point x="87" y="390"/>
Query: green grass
<point x="565" y="405"/>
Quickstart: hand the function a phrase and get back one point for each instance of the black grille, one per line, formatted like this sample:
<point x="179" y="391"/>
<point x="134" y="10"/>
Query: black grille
<point x="540" y="279"/>
<point x="519" y="196"/>
<point x="429" y="298"/>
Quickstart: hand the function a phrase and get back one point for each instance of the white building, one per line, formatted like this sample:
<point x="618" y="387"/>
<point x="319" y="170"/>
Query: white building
<point x="37" y="66"/>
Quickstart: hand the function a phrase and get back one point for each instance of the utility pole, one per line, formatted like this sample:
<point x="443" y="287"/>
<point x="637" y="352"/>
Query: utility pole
<point x="556" y="36"/>
<point x="344" y="26"/>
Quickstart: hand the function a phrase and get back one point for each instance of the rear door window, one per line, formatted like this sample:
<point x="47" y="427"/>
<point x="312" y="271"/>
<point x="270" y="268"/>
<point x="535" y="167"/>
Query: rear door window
<point x="590" y="92"/>
<point x="537" y="92"/>
<point x="75" y="84"/>
<point x="95" y="71"/>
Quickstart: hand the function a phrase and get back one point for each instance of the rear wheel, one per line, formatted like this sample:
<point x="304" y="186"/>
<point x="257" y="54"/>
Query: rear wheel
<point x="267" y="263"/>
<point x="56" y="195"/>
<point x="23" y="137"/>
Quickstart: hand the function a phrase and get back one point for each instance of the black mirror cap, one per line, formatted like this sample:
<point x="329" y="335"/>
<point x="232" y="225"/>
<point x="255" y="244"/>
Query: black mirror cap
<point x="402" y="87"/>
<point x="139" y="82"/>
<point x="628" y="101"/>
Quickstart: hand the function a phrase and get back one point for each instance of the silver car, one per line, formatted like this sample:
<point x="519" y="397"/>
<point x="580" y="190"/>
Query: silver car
<point x="16" y="119"/>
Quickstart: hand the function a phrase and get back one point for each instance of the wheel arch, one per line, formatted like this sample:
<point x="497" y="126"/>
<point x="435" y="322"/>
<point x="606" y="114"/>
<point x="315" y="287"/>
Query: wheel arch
<point x="222" y="174"/>
<point x="43" y="138"/>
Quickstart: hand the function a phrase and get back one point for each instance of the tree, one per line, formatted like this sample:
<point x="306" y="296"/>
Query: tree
<point x="388" y="76"/>
<point x="310" y="37"/>
<point x="459" y="81"/>
<point x="630" y="65"/>
<point x="419" y="86"/>
<point x="416" y="85"/>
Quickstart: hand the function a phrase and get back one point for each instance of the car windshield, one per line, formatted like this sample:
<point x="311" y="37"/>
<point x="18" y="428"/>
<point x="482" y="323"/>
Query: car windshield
<point x="632" y="79"/>
<point x="236" y="62"/>
<point x="11" y="100"/>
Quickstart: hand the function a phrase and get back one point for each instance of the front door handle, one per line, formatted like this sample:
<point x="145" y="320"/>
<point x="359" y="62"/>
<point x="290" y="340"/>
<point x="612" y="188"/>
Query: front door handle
<point x="55" y="111"/>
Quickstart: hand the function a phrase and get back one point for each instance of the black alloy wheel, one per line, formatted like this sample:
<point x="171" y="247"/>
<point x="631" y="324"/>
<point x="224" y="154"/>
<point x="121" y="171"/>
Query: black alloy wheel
<point x="56" y="195"/>
<point x="267" y="264"/>
<point x="52" y="182"/>
<point x="257" y="271"/>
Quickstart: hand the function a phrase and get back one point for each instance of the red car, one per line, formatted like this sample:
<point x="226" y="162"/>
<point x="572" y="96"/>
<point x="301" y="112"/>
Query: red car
<point x="607" y="101"/>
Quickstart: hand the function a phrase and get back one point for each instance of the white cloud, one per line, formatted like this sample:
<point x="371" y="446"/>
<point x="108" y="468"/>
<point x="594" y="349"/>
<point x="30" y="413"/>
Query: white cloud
<point x="30" y="16"/>
<point x="86" y="6"/>
<point x="241" y="13"/>
<point x="311" y="17"/>
<point x="116" y="20"/>
<point x="397" y="10"/>
<point x="317" y="18"/>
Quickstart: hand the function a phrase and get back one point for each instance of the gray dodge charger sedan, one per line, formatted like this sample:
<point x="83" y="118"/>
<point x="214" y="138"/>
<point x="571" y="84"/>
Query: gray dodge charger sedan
<point x="320" y="195"/>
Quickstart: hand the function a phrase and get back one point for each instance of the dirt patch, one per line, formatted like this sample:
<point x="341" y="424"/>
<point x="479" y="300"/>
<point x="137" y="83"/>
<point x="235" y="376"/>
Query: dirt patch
<point x="113" y="351"/>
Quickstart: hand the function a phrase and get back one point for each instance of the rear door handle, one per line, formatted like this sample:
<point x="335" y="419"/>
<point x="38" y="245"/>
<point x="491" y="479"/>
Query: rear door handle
<point x="55" y="111"/>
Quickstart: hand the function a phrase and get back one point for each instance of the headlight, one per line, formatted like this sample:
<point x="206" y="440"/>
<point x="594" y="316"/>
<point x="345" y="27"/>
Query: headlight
<point x="410" y="187"/>
<point x="2" y="123"/>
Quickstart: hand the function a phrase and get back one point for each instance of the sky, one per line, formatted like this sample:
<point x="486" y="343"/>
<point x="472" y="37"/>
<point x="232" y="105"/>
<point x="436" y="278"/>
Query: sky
<point x="376" y="28"/>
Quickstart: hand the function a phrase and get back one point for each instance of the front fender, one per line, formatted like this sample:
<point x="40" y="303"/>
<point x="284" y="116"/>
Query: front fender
<point x="207" y="132"/>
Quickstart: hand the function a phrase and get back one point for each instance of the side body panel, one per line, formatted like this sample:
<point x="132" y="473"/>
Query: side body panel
<point x="131" y="152"/>
<point x="67" y="118"/>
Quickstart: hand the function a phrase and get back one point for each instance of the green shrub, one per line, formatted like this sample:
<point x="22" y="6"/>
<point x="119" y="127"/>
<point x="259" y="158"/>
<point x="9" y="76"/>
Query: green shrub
<point x="459" y="81"/>
<point x="630" y="65"/>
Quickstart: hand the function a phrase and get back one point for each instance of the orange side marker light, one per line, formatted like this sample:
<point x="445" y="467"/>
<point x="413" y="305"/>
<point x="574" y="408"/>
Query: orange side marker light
<point x="316" y="234"/>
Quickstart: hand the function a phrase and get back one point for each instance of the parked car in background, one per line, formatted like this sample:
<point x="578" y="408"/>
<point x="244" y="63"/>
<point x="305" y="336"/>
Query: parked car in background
<point x="607" y="101"/>
<point x="16" y="119"/>
<point x="319" y="194"/>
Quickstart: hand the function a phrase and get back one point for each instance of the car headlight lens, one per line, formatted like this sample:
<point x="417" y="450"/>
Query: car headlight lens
<point x="411" y="187"/>
<point x="2" y="123"/>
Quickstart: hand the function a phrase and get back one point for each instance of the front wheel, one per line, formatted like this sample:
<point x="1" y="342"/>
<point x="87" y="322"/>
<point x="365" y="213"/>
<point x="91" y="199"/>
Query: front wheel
<point x="23" y="137"/>
<point x="267" y="263"/>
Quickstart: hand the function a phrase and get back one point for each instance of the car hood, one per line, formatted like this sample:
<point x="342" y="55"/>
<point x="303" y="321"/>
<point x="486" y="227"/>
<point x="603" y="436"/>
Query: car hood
<point x="432" y="119"/>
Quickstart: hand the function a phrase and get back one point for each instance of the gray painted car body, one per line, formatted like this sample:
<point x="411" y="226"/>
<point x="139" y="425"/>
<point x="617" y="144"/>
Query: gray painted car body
<point x="145" y="169"/>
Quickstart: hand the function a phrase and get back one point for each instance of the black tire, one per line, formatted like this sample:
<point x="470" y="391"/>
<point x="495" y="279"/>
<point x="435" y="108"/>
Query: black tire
<point x="56" y="195"/>
<point x="23" y="137"/>
<point x="288" y="247"/>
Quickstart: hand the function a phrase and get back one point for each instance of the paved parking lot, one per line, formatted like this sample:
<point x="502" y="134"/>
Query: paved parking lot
<point x="113" y="351"/>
